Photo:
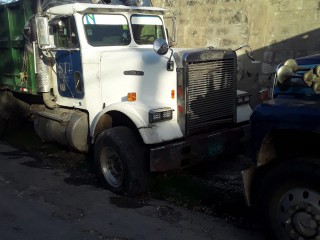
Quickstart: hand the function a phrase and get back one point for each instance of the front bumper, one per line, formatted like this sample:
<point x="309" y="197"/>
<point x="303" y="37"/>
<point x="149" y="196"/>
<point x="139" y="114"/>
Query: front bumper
<point x="196" y="149"/>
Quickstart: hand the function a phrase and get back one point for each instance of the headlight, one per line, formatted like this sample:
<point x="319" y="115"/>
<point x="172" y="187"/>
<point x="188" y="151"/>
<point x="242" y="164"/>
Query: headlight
<point x="160" y="114"/>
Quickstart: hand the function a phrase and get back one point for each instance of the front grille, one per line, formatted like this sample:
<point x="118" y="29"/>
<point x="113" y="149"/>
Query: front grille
<point x="211" y="93"/>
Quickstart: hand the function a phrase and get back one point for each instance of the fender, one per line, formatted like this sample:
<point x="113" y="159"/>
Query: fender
<point x="138" y="113"/>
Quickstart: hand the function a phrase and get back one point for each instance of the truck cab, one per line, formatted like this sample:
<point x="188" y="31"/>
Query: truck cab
<point x="105" y="62"/>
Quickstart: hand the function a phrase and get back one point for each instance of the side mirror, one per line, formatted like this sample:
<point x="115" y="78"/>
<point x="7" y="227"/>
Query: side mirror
<point x="160" y="46"/>
<point x="42" y="26"/>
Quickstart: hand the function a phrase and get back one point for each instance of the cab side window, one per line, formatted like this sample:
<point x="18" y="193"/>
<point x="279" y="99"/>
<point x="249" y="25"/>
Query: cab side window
<point x="64" y="32"/>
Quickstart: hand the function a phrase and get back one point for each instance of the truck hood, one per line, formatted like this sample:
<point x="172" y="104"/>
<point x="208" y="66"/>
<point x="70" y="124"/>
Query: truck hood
<point x="284" y="112"/>
<point x="288" y="112"/>
<point x="309" y="60"/>
<point x="137" y="70"/>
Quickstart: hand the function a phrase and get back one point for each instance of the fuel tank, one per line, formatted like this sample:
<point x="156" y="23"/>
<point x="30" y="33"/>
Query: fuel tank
<point x="66" y="127"/>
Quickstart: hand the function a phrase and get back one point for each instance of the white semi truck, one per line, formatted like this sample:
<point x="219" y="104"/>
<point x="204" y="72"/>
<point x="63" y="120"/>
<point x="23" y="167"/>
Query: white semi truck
<point x="102" y="77"/>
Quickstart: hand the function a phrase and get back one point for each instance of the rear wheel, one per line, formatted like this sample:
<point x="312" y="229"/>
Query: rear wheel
<point x="121" y="162"/>
<point x="290" y="200"/>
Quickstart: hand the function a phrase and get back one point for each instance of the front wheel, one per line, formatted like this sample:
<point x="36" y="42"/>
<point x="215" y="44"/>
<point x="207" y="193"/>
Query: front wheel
<point x="120" y="160"/>
<point x="290" y="200"/>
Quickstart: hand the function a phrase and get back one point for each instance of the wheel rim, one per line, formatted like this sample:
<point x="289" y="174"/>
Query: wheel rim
<point x="111" y="167"/>
<point x="298" y="214"/>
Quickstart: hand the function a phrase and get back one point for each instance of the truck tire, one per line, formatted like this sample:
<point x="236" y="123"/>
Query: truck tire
<point x="120" y="161"/>
<point x="290" y="200"/>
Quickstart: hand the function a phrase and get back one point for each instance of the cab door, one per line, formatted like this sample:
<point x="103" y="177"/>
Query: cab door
<point x="68" y="59"/>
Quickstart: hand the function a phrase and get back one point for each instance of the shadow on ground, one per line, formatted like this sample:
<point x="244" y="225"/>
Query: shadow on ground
<point x="213" y="188"/>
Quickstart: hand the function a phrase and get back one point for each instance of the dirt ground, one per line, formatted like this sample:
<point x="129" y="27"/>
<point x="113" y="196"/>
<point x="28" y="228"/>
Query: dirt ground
<point x="213" y="188"/>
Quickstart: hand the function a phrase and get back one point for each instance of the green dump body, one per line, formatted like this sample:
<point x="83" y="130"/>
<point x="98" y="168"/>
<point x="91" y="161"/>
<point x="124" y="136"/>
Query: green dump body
<point x="16" y="63"/>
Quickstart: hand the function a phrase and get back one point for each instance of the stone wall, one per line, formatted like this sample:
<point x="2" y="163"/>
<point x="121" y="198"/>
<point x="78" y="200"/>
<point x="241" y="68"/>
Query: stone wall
<point x="275" y="30"/>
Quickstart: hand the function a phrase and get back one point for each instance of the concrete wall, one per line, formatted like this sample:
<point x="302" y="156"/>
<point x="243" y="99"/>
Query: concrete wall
<point x="275" y="29"/>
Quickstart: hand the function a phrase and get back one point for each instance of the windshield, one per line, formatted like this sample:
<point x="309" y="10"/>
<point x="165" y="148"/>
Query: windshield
<point x="106" y="30"/>
<point x="146" y="29"/>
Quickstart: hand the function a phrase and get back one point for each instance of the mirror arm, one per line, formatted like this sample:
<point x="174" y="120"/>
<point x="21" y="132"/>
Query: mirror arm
<point x="170" y="63"/>
<point x="249" y="52"/>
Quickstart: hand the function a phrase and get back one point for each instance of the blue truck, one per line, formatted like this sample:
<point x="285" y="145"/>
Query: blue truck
<point x="285" y="178"/>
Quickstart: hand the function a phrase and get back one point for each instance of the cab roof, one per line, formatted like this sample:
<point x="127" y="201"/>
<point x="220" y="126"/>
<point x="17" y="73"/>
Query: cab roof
<point x="70" y="9"/>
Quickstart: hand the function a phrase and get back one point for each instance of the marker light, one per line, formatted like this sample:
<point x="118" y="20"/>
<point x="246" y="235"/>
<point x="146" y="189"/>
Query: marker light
<point x="173" y="94"/>
<point x="132" y="97"/>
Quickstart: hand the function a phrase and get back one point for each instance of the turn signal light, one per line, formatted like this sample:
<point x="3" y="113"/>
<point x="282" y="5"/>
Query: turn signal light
<point x="132" y="97"/>
<point x="173" y="94"/>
